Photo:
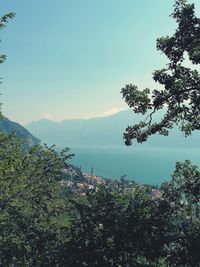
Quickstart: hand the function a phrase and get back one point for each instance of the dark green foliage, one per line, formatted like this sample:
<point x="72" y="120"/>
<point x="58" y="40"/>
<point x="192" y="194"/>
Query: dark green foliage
<point x="180" y="99"/>
<point x="180" y="93"/>
<point x="111" y="228"/>
<point x="183" y="194"/>
<point x="108" y="227"/>
<point x="30" y="204"/>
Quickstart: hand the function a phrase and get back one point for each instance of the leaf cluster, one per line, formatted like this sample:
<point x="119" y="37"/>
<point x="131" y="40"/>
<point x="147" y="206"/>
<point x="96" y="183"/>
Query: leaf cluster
<point x="179" y="95"/>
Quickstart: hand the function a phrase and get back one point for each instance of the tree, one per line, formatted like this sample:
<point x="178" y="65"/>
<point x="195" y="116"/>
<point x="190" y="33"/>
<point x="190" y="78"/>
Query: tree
<point x="31" y="206"/>
<point x="179" y="98"/>
<point x="3" y="20"/>
<point x="110" y="227"/>
<point x="182" y="193"/>
<point x="180" y="93"/>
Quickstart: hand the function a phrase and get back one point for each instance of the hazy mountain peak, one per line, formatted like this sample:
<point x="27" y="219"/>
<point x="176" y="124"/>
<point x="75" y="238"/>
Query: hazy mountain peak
<point x="103" y="131"/>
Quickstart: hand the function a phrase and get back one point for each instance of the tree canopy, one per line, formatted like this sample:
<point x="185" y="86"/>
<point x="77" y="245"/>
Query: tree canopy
<point x="179" y="95"/>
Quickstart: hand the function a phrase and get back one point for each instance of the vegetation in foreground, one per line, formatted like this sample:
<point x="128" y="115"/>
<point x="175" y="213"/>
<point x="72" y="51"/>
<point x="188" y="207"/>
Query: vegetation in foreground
<point x="40" y="225"/>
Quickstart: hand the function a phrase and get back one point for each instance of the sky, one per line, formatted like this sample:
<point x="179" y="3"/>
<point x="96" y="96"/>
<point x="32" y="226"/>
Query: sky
<point x="69" y="59"/>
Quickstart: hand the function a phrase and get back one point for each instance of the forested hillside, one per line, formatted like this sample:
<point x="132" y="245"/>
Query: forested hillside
<point x="9" y="127"/>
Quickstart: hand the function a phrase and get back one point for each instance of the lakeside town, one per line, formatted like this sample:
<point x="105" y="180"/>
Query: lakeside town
<point x="82" y="182"/>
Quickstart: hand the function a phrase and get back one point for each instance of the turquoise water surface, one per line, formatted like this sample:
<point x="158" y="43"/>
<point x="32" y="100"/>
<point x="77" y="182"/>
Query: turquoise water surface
<point x="143" y="165"/>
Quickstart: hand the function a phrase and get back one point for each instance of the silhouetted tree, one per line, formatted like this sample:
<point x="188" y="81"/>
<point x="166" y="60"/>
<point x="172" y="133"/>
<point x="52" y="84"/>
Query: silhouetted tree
<point x="179" y="95"/>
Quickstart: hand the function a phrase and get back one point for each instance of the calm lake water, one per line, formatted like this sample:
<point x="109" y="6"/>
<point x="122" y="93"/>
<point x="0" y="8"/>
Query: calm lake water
<point x="143" y="165"/>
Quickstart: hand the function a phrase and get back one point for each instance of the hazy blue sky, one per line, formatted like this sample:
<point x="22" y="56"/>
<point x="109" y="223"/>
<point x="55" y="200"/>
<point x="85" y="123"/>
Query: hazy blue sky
<point x="70" y="58"/>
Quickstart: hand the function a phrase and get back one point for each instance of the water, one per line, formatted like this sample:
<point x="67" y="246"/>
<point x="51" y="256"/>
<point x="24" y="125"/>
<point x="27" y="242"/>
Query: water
<point x="143" y="165"/>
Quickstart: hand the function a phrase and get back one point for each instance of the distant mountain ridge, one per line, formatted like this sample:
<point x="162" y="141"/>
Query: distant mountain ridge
<point x="7" y="126"/>
<point x="103" y="131"/>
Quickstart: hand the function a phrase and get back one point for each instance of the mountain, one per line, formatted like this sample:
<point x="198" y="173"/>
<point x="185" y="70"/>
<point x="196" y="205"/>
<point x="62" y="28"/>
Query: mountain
<point x="7" y="126"/>
<point x="103" y="131"/>
<point x="81" y="132"/>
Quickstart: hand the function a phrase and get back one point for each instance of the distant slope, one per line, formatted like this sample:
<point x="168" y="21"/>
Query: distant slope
<point x="103" y="131"/>
<point x="7" y="126"/>
<point x="97" y="131"/>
